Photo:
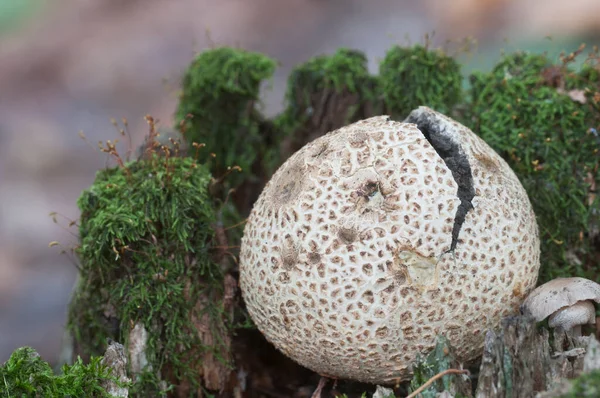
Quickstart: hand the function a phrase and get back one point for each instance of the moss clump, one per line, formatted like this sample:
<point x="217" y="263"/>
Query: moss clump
<point x="146" y="248"/>
<point x="217" y="107"/>
<point x="415" y="76"/>
<point x="324" y="94"/>
<point x="523" y="110"/>
<point x="25" y="374"/>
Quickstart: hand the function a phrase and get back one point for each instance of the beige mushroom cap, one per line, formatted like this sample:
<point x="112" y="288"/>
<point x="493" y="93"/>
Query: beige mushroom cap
<point x="559" y="293"/>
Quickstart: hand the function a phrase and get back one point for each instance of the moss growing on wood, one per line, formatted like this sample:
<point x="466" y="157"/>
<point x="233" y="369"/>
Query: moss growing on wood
<point x="148" y="278"/>
<point x="415" y="76"/>
<point x="25" y="374"/>
<point x="324" y="94"/>
<point x="542" y="117"/>
<point x="217" y="107"/>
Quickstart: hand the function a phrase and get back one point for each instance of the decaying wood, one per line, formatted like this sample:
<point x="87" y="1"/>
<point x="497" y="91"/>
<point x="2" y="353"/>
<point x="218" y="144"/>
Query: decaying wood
<point x="520" y="361"/>
<point x="136" y="347"/>
<point x="591" y="361"/>
<point x="214" y="368"/>
<point x="329" y="110"/>
<point x="115" y="358"/>
<point x="214" y="357"/>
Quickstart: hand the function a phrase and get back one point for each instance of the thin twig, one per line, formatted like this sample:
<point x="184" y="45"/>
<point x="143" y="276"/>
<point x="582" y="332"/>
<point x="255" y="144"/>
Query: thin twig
<point x="320" y="386"/>
<point x="434" y="378"/>
<point x="236" y="225"/>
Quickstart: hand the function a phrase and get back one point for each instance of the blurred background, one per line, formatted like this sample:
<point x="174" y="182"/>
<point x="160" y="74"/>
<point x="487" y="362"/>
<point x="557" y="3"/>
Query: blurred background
<point x="71" y="65"/>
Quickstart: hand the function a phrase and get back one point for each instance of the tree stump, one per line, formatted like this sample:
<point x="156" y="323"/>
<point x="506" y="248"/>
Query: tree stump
<point x="521" y="361"/>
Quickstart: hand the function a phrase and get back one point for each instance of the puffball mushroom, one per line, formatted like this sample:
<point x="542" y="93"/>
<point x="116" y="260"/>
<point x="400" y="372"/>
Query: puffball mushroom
<point x="375" y="238"/>
<point x="569" y="302"/>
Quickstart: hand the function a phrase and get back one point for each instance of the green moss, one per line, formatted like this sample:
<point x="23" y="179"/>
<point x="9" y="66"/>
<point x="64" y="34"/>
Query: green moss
<point x="343" y="72"/>
<point x="585" y="386"/>
<point x="415" y="76"/>
<point x="25" y="374"/>
<point x="326" y="93"/>
<point x="217" y="107"/>
<point x="547" y="139"/>
<point x="146" y="234"/>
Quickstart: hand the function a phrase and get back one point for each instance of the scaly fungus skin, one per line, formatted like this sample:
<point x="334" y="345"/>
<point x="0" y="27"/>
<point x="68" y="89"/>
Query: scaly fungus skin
<point x="363" y="248"/>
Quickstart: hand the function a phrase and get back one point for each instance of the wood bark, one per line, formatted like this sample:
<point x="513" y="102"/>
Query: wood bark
<point x="522" y="360"/>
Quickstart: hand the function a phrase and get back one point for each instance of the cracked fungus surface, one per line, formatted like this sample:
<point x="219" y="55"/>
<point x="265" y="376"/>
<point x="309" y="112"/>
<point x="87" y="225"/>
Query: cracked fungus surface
<point x="346" y="263"/>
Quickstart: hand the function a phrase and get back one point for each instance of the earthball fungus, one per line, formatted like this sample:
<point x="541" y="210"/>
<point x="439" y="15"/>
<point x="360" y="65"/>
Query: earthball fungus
<point x="569" y="302"/>
<point x="374" y="239"/>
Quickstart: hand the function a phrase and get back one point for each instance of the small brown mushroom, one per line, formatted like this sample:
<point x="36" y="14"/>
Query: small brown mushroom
<point x="567" y="301"/>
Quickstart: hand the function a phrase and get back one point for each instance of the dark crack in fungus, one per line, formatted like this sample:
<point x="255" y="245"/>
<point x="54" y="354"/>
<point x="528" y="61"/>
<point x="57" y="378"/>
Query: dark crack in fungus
<point x="455" y="158"/>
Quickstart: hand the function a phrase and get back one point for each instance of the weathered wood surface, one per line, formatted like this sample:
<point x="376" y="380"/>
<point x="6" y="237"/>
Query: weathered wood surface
<point x="116" y="359"/>
<point x="521" y="361"/>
